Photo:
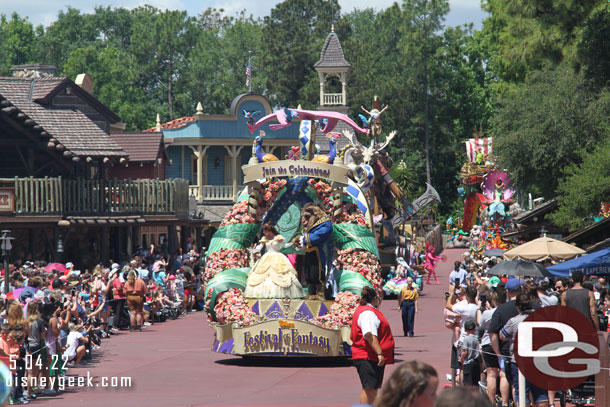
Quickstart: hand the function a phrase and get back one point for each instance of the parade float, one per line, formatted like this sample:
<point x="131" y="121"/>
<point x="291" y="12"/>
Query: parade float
<point x="316" y="210"/>
<point x="487" y="192"/>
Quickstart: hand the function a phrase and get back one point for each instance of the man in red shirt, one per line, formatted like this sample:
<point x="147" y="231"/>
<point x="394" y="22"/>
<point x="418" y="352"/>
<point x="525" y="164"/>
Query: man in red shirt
<point x="372" y="344"/>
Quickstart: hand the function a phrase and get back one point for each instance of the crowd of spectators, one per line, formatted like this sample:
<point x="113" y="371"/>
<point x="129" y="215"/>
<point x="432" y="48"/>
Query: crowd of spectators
<point x="55" y="317"/>
<point x="483" y="312"/>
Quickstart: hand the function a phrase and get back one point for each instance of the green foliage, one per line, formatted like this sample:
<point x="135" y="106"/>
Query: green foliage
<point x="584" y="188"/>
<point x="542" y="125"/>
<point x="535" y="77"/>
<point x="392" y="67"/>
<point x="291" y="41"/>
<point x="594" y="48"/>
<point x="218" y="63"/>
<point x="17" y="42"/>
<point x="71" y="31"/>
<point x="114" y="83"/>
<point x="524" y="35"/>
<point x="161" y="42"/>
<point x="405" y="177"/>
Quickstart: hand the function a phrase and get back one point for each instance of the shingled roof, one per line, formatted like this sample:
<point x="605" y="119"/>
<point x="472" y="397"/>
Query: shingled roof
<point x="332" y="54"/>
<point x="141" y="147"/>
<point x="70" y="127"/>
<point x="174" y="124"/>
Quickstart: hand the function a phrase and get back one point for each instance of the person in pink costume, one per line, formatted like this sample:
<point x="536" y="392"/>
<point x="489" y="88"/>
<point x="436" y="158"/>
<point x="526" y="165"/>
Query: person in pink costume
<point x="430" y="263"/>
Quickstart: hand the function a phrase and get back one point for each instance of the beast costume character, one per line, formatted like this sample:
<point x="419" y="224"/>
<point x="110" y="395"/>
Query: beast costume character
<point x="317" y="229"/>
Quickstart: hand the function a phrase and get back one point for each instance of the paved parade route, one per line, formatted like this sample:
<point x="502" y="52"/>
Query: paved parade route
<point x="170" y="364"/>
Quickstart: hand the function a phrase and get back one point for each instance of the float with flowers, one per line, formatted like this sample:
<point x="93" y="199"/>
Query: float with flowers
<point x="335" y="189"/>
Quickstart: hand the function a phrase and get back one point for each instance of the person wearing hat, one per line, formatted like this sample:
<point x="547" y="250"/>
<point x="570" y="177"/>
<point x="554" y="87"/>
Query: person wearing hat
<point x="171" y="289"/>
<point x="468" y="348"/>
<point x="494" y="281"/>
<point x="69" y="268"/>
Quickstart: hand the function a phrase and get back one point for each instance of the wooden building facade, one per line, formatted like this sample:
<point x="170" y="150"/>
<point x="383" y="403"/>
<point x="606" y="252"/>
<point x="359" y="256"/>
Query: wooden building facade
<point x="58" y="194"/>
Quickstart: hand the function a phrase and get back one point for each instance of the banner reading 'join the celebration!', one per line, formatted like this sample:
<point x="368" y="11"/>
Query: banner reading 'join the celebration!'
<point x="298" y="168"/>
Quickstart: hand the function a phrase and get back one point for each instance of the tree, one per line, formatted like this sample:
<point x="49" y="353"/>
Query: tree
<point x="71" y="31"/>
<point x="459" y="98"/>
<point x="292" y="38"/>
<point x="115" y="26"/>
<point x="584" y="187"/>
<point x="217" y="65"/>
<point x="525" y="35"/>
<point x="17" y="41"/>
<point x="422" y="19"/>
<point x="542" y="126"/>
<point x="115" y="83"/>
<point x="594" y="49"/>
<point x="161" y="43"/>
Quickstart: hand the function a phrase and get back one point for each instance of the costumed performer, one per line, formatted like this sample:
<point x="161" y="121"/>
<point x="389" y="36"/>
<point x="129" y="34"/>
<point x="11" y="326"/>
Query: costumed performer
<point x="430" y="263"/>
<point x="273" y="275"/>
<point x="372" y="344"/>
<point x="497" y="207"/>
<point x="317" y="229"/>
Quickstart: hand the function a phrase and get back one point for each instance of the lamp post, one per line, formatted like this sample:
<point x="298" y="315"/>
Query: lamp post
<point x="59" y="249"/>
<point x="6" y="246"/>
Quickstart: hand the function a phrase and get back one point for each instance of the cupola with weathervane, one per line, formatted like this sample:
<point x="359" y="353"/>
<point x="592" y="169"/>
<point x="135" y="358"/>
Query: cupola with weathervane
<point x="333" y="71"/>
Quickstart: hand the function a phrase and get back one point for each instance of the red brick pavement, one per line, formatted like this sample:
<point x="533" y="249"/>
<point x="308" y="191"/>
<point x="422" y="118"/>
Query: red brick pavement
<point x="170" y="364"/>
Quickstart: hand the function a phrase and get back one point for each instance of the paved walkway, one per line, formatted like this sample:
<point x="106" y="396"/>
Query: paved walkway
<point x="170" y="364"/>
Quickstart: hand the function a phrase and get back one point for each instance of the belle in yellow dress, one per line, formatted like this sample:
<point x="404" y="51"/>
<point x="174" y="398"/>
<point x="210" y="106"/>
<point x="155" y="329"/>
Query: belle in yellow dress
<point x="273" y="275"/>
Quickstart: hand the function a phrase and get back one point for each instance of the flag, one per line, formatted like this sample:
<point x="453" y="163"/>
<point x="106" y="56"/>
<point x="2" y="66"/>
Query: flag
<point x="473" y="145"/>
<point x="248" y="72"/>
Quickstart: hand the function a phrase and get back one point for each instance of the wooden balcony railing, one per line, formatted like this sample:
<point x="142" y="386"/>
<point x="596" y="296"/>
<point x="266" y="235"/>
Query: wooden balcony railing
<point x="57" y="196"/>
<point x="331" y="99"/>
<point x="214" y="192"/>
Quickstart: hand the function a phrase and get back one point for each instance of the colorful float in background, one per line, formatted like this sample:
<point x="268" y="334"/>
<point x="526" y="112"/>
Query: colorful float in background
<point x="488" y="194"/>
<point x="604" y="212"/>
<point x="345" y="186"/>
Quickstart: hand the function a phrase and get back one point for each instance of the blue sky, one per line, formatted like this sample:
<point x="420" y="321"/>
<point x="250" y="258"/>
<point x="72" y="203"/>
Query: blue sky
<point x="45" y="11"/>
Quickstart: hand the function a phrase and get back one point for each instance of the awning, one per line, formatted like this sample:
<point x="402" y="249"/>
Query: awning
<point x="595" y="263"/>
<point x="543" y="248"/>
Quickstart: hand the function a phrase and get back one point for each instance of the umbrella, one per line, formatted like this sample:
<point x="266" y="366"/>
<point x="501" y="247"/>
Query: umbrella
<point x="543" y="248"/>
<point x="493" y="253"/>
<point x="520" y="268"/>
<point x="55" y="266"/>
<point x="595" y="263"/>
<point x="17" y="293"/>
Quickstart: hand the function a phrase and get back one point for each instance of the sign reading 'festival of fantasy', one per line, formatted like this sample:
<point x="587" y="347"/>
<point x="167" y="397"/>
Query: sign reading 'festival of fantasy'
<point x="284" y="337"/>
<point x="298" y="168"/>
